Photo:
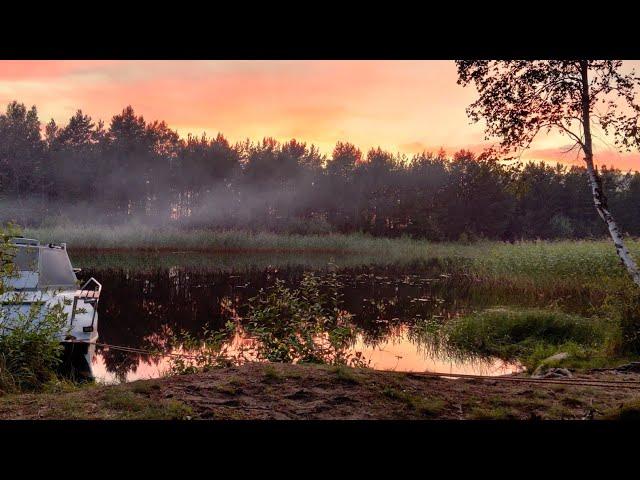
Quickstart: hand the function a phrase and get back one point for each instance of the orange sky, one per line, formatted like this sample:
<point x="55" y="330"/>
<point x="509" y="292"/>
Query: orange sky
<point x="402" y="106"/>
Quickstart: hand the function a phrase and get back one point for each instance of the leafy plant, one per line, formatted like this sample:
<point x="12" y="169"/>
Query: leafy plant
<point x="305" y="324"/>
<point x="7" y="252"/>
<point x="211" y="350"/>
<point x="29" y="344"/>
<point x="30" y="348"/>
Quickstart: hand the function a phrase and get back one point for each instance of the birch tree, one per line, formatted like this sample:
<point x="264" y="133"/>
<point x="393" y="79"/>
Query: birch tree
<point x="519" y="99"/>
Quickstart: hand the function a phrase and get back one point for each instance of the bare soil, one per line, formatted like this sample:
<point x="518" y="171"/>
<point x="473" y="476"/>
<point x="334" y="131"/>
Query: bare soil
<point x="281" y="391"/>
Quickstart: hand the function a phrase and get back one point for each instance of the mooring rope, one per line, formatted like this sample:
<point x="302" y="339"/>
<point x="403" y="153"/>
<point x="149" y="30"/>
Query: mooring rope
<point x="140" y="351"/>
<point x="633" y="384"/>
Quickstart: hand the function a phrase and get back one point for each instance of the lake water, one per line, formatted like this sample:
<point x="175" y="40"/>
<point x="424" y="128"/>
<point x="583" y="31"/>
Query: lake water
<point x="149" y="297"/>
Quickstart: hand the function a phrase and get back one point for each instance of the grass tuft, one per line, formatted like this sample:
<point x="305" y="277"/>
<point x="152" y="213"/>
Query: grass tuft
<point x="530" y="335"/>
<point x="130" y="405"/>
<point x="493" y="413"/>
<point x="345" y="374"/>
<point x="627" y="411"/>
<point x="271" y="373"/>
<point x="424" y="406"/>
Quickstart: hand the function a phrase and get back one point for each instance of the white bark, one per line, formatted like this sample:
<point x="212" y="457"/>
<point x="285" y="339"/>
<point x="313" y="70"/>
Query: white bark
<point x="614" y="231"/>
<point x="595" y="181"/>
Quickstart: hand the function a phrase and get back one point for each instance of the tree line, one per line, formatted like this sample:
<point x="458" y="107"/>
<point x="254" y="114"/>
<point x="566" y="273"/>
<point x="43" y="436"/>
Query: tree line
<point x="86" y="172"/>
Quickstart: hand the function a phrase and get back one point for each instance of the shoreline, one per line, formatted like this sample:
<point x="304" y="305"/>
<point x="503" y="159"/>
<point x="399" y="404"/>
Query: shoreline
<point x="259" y="391"/>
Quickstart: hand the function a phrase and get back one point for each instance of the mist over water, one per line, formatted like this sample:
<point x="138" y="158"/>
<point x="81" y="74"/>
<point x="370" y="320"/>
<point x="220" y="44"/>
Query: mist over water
<point x="132" y="170"/>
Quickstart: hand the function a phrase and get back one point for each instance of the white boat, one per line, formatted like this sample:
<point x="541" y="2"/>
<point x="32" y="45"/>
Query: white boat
<point x="43" y="273"/>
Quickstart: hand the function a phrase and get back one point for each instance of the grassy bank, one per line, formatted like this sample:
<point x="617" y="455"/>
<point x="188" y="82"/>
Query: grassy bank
<point x="531" y="335"/>
<point x="279" y="391"/>
<point x="567" y="258"/>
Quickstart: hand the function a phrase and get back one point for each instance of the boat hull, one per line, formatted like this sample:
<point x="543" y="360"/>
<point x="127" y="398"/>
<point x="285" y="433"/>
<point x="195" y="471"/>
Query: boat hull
<point x="77" y="361"/>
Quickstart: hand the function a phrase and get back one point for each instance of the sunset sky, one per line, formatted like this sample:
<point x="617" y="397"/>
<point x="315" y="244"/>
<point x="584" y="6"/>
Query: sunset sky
<point x="402" y="106"/>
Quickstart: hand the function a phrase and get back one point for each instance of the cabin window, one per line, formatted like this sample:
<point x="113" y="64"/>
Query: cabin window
<point x="26" y="259"/>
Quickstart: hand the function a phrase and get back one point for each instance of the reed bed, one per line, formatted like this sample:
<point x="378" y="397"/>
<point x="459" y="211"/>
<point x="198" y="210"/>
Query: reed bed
<point x="533" y="259"/>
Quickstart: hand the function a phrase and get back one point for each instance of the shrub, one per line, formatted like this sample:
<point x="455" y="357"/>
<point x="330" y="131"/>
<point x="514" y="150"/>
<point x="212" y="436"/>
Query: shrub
<point x="205" y="353"/>
<point x="30" y="349"/>
<point x="29" y="345"/>
<point x="7" y="252"/>
<point x="305" y="324"/>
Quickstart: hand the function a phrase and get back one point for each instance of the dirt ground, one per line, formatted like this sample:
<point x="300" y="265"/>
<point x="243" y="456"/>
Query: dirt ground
<point x="279" y="391"/>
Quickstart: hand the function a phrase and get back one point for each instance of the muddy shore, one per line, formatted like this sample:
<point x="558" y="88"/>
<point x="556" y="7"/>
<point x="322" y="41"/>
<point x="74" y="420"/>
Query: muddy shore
<point x="282" y="391"/>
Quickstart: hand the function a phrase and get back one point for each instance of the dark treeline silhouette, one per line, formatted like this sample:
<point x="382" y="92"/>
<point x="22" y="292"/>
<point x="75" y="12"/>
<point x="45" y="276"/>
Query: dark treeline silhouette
<point x="86" y="172"/>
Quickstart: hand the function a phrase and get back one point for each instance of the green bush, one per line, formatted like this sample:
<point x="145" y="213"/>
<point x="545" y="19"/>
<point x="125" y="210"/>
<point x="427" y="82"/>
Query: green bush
<point x="211" y="350"/>
<point x="306" y="324"/>
<point x="30" y="350"/>
<point x="7" y="252"/>
<point x="29" y="346"/>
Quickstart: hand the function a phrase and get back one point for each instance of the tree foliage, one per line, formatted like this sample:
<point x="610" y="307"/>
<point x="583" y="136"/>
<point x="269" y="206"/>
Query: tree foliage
<point x="518" y="99"/>
<point x="86" y="172"/>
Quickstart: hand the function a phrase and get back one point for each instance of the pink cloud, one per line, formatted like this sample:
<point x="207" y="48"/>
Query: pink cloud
<point x="47" y="69"/>
<point x="419" y="147"/>
<point x="407" y="106"/>
<point x="602" y="157"/>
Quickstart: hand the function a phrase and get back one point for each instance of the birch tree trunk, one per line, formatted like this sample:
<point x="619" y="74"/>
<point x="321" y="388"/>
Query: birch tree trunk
<point x="595" y="181"/>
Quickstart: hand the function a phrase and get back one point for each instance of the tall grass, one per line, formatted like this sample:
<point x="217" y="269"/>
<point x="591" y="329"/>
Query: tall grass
<point x="585" y="269"/>
<point x="565" y="258"/>
<point x="134" y="237"/>
<point x="529" y="335"/>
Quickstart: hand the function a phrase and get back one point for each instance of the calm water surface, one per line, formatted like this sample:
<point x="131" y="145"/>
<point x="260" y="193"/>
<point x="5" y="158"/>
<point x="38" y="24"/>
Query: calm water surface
<point x="148" y="297"/>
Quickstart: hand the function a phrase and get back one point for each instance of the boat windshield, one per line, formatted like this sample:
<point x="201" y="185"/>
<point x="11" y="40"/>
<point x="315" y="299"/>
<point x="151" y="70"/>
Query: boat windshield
<point x="42" y="268"/>
<point x="55" y="269"/>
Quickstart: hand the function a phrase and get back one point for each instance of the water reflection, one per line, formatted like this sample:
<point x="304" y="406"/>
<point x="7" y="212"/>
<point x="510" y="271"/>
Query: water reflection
<point x="395" y="353"/>
<point x="394" y="308"/>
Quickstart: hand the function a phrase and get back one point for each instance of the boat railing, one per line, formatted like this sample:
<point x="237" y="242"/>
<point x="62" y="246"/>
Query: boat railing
<point x="90" y="296"/>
